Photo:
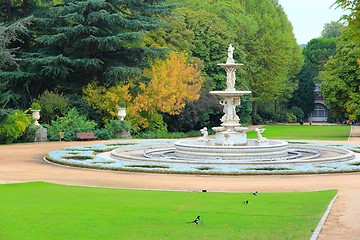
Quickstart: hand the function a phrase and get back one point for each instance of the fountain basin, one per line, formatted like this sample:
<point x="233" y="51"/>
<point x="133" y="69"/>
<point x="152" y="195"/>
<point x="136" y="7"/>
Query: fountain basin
<point x="194" y="149"/>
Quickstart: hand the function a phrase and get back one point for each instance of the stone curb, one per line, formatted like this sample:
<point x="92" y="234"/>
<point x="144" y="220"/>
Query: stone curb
<point x="323" y="219"/>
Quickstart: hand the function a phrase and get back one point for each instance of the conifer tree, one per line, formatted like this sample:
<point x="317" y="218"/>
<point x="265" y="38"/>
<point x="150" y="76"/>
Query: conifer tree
<point x="80" y="41"/>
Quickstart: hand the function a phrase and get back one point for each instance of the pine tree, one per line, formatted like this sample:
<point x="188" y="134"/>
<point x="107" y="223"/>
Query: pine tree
<point x="89" y="40"/>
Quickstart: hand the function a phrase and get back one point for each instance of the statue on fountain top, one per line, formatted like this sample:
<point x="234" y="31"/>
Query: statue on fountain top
<point x="230" y="58"/>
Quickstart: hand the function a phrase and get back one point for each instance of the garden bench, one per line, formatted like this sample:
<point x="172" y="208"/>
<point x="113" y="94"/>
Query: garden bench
<point x="85" y="135"/>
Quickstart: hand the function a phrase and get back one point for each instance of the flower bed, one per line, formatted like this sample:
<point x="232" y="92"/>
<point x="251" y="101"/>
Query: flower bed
<point x="98" y="156"/>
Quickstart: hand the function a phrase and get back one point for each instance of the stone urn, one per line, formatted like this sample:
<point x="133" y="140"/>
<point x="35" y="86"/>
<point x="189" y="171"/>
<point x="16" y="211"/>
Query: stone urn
<point x="36" y="116"/>
<point x="122" y="113"/>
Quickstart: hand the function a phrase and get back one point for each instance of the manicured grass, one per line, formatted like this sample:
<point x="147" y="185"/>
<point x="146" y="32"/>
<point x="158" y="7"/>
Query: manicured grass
<point x="47" y="211"/>
<point x="305" y="132"/>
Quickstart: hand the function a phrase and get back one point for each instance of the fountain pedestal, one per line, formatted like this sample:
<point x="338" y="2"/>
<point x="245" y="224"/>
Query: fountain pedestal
<point x="230" y="133"/>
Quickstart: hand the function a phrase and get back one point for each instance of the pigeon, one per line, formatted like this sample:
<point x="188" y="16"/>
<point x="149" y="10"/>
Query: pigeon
<point x="246" y="202"/>
<point x="255" y="193"/>
<point x="197" y="219"/>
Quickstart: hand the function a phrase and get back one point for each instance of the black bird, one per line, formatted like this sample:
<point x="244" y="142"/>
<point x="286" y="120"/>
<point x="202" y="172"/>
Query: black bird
<point x="246" y="202"/>
<point x="197" y="220"/>
<point x="255" y="193"/>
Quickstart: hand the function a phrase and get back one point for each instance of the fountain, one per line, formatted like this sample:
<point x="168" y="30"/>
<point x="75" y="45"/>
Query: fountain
<point x="230" y="141"/>
<point x="229" y="152"/>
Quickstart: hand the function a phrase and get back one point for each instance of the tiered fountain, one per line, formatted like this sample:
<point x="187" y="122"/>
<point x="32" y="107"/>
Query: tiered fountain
<point x="230" y="147"/>
<point x="230" y="139"/>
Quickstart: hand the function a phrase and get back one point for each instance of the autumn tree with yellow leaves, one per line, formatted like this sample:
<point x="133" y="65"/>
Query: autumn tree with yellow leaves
<point x="173" y="83"/>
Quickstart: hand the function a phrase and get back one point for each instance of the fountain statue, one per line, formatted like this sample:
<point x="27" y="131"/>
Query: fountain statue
<point x="259" y="132"/>
<point x="230" y="99"/>
<point x="205" y="134"/>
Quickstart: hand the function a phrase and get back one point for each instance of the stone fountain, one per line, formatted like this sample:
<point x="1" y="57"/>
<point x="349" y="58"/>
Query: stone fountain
<point x="230" y="139"/>
<point x="230" y="133"/>
<point x="230" y="146"/>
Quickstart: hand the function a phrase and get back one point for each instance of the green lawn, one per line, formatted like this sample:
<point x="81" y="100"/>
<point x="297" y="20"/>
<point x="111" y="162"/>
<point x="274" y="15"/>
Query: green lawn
<point x="305" y="132"/>
<point x="48" y="211"/>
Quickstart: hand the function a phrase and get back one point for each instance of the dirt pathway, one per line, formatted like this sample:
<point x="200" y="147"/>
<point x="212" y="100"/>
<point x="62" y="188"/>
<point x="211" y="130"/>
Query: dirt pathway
<point x="23" y="163"/>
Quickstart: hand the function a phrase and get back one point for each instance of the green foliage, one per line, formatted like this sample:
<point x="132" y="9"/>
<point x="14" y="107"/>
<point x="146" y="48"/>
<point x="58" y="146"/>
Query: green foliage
<point x="318" y="51"/>
<point x="53" y="105"/>
<point x="341" y="78"/>
<point x="103" y="134"/>
<point x="77" y="42"/>
<point x="273" y="55"/>
<point x="195" y="115"/>
<point x="316" y="54"/>
<point x="84" y="108"/>
<point x="156" y="214"/>
<point x="71" y="123"/>
<point x="29" y="135"/>
<point x="291" y="118"/>
<point x="332" y="30"/>
<point x="35" y="106"/>
<point x="167" y="135"/>
<point x="14" y="126"/>
<point x="298" y="112"/>
<point x="9" y="42"/>
<point x="115" y="125"/>
<point x="8" y="35"/>
<point x="304" y="96"/>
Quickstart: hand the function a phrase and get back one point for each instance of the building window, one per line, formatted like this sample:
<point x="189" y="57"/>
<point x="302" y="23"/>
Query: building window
<point x="319" y="111"/>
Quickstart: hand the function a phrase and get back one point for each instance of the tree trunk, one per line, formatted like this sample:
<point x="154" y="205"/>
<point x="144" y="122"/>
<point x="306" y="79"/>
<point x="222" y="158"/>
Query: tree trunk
<point x="275" y="111"/>
<point x="254" y="110"/>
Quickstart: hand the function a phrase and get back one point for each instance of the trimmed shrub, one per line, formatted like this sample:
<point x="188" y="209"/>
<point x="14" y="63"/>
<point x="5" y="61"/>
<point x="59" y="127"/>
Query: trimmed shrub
<point x="103" y="134"/>
<point x="72" y="123"/>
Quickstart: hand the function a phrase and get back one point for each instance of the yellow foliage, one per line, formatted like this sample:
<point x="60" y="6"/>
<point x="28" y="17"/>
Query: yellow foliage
<point x="174" y="82"/>
<point x="106" y="100"/>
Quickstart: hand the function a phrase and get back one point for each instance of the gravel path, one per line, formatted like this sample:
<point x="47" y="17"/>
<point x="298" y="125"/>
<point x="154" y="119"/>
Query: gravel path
<point x="24" y="163"/>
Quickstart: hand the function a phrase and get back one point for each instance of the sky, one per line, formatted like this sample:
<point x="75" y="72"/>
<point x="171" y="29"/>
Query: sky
<point x="309" y="16"/>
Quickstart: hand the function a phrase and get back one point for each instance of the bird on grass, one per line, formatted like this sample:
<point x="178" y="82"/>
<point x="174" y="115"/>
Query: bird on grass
<point x="255" y="193"/>
<point x="246" y="202"/>
<point x="196" y="221"/>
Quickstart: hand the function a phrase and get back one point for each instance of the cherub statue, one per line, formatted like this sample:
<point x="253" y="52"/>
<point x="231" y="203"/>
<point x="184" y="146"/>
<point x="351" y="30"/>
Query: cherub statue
<point x="205" y="134"/>
<point x="259" y="131"/>
<point x="230" y="58"/>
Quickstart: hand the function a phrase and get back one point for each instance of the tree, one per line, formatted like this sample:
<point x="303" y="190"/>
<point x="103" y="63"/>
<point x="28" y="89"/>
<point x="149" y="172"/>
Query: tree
<point x="106" y="100"/>
<point x="274" y="58"/>
<point x="262" y="37"/>
<point x="174" y="82"/>
<point x="88" y="40"/>
<point x="341" y="78"/>
<point x="316" y="54"/>
<point x="332" y="30"/>
<point x="8" y="35"/>
<point x="304" y="95"/>
<point x="52" y="105"/>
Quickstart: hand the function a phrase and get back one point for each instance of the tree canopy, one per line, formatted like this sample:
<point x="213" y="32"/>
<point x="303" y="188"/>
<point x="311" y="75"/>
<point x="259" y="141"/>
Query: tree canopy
<point x="341" y="78"/>
<point x="105" y="48"/>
